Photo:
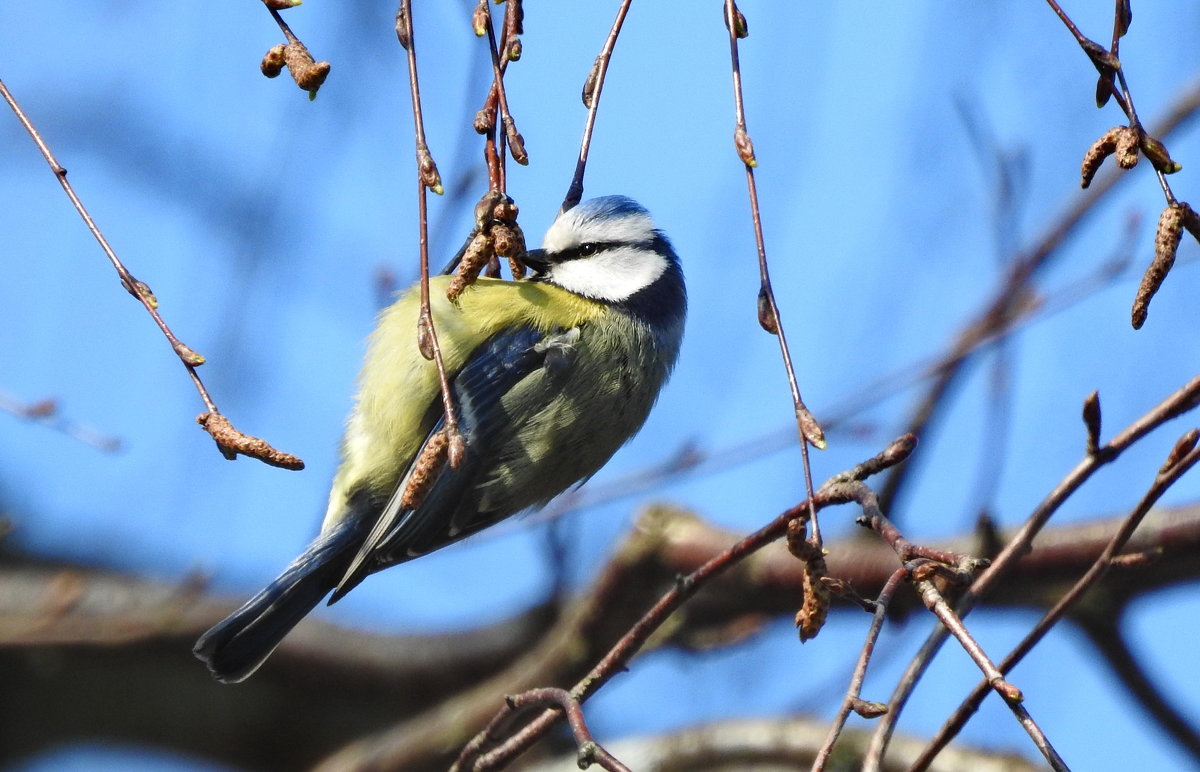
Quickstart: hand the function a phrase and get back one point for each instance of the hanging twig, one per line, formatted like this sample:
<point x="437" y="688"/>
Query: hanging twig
<point x="516" y="143"/>
<point x="768" y="309"/>
<point x="1125" y="142"/>
<point x="427" y="179"/>
<point x="230" y="441"/>
<point x="591" y="100"/>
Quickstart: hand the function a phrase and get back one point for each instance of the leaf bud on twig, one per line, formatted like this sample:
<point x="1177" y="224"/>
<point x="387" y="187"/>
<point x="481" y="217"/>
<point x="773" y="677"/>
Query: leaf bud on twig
<point x="1091" y="420"/>
<point x="1158" y="155"/>
<point x="741" y="28"/>
<point x="745" y="146"/>
<point x="189" y="355"/>
<point x="424" y="338"/>
<point x="428" y="170"/>
<point x="766" y="311"/>
<point x="589" y="84"/>
<point x="480" y="19"/>
<point x="1183" y="446"/>
<point x="402" y="28"/>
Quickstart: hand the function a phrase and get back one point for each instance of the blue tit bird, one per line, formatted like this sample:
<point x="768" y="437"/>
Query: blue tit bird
<point x="550" y="376"/>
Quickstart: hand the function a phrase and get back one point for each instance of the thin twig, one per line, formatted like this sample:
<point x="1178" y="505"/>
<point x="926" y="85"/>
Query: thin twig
<point x="1006" y="303"/>
<point x="427" y="179"/>
<point x="229" y="441"/>
<point x="769" y="316"/>
<point x="1162" y="482"/>
<point x="1181" y="401"/>
<point x="958" y="569"/>
<point x="496" y="102"/>
<point x="516" y="144"/>
<point x="1105" y="59"/>
<point x="874" y="519"/>
<point x="635" y="638"/>
<point x="951" y="622"/>
<point x="493" y="145"/>
<point x="283" y="26"/>
<point x="591" y="99"/>
<point x="589" y="751"/>
<point x="853" y="697"/>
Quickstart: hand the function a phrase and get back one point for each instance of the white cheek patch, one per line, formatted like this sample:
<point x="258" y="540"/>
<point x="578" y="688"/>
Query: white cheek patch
<point x="571" y="230"/>
<point x="612" y="274"/>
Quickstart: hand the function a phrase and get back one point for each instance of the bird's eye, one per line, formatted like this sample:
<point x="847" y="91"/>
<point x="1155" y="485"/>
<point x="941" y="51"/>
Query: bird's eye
<point x="587" y="249"/>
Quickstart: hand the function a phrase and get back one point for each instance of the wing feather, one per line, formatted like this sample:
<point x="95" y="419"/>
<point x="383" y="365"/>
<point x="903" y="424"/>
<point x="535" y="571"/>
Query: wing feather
<point x="492" y="370"/>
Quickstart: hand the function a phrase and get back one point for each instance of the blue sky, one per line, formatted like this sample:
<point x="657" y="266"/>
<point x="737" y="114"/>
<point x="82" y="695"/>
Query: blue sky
<point x="260" y="219"/>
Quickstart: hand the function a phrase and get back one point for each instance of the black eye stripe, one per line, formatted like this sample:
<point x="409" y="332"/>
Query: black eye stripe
<point x="590" y="248"/>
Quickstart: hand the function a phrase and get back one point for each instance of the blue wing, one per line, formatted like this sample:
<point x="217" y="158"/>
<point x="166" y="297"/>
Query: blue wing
<point x="450" y="509"/>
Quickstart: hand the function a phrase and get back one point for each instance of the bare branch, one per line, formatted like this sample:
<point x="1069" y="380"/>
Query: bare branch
<point x="1178" y="403"/>
<point x="230" y="441"/>
<point x="427" y="179"/>
<point x="591" y="100"/>
<point x="1177" y="464"/>
<point x="768" y="310"/>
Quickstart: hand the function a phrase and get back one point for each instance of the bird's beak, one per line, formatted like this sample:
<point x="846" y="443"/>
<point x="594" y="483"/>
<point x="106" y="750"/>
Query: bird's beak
<point x="536" y="260"/>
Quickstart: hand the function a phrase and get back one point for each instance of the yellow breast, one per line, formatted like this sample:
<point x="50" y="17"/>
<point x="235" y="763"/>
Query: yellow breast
<point x="397" y="385"/>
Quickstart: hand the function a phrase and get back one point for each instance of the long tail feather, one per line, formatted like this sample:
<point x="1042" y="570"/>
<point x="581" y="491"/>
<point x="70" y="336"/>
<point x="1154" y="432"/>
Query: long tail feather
<point x="237" y="646"/>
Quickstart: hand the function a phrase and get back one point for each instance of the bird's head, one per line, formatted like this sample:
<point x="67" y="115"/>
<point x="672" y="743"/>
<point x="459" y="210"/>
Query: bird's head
<point x="608" y="249"/>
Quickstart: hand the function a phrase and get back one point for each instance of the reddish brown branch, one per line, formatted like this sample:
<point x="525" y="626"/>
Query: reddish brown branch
<point x="1177" y="464"/>
<point x="853" y="700"/>
<point x="516" y="143"/>
<point x="1181" y="401"/>
<point x="632" y="642"/>
<point x="590" y="752"/>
